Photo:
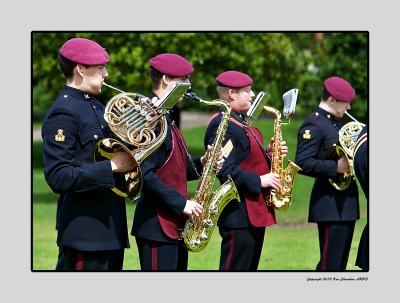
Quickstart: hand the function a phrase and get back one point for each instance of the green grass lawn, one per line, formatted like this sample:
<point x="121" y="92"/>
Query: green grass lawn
<point x="290" y="245"/>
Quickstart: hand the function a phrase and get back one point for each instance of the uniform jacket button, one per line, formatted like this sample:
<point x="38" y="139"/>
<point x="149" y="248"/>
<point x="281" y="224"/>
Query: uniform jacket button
<point x="95" y="136"/>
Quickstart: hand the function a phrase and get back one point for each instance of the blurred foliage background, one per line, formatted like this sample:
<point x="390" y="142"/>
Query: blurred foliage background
<point x="276" y="61"/>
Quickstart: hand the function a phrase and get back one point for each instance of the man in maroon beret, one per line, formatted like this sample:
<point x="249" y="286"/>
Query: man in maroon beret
<point x="92" y="233"/>
<point x="242" y="224"/>
<point x="164" y="206"/>
<point x="334" y="210"/>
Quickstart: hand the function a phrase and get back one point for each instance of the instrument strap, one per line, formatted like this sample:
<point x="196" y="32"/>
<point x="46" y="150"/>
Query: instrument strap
<point x="183" y="145"/>
<point x="267" y="157"/>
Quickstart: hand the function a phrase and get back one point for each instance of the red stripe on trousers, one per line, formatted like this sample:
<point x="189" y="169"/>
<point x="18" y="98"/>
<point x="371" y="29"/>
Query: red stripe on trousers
<point x="230" y="253"/>
<point x="153" y="256"/>
<point x="79" y="261"/>
<point x="325" y="249"/>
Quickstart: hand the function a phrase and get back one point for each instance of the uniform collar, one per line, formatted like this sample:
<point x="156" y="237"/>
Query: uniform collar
<point x="324" y="113"/>
<point x="79" y="94"/>
<point x="238" y="116"/>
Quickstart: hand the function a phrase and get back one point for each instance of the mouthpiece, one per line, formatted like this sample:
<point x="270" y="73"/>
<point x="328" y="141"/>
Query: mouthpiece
<point x="191" y="96"/>
<point x="105" y="84"/>
<point x="352" y="118"/>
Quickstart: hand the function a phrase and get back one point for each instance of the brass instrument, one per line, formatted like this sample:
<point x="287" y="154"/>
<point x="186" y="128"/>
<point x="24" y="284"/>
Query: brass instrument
<point x="348" y="135"/>
<point x="197" y="233"/>
<point x="133" y="119"/>
<point x="282" y="199"/>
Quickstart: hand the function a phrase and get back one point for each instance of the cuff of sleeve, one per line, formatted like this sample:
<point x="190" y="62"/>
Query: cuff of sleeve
<point x="97" y="176"/>
<point x="197" y="163"/>
<point x="332" y="168"/>
<point x="252" y="183"/>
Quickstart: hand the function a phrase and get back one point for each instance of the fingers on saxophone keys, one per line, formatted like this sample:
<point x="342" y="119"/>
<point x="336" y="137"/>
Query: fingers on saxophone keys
<point x="197" y="210"/>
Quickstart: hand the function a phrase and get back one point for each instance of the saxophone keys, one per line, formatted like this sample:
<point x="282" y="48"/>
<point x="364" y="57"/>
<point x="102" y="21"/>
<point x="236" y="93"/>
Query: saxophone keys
<point x="203" y="236"/>
<point x="208" y="223"/>
<point x="214" y="210"/>
<point x="195" y="243"/>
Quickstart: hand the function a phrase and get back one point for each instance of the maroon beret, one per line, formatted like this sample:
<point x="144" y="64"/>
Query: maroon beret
<point x="172" y="65"/>
<point x="84" y="51"/>
<point x="340" y="89"/>
<point x="234" y="79"/>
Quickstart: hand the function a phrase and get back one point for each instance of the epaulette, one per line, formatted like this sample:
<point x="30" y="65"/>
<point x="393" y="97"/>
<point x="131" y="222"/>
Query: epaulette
<point x="314" y="116"/>
<point x="66" y="97"/>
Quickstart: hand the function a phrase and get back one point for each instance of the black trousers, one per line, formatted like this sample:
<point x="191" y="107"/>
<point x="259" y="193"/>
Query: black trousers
<point x="70" y="259"/>
<point x="334" y="245"/>
<point x="241" y="248"/>
<point x="162" y="256"/>
<point x="362" y="260"/>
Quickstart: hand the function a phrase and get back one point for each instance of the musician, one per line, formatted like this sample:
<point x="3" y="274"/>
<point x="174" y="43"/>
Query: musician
<point x="334" y="211"/>
<point x="242" y="223"/>
<point x="91" y="220"/>
<point x="362" y="173"/>
<point x="164" y="207"/>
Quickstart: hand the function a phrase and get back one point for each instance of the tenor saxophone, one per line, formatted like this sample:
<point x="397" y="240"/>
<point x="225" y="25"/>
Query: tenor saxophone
<point x="281" y="199"/>
<point x="197" y="233"/>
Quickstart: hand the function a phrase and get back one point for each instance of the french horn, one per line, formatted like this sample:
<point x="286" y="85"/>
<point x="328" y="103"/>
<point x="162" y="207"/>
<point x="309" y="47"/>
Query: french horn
<point x="141" y="126"/>
<point x="348" y="135"/>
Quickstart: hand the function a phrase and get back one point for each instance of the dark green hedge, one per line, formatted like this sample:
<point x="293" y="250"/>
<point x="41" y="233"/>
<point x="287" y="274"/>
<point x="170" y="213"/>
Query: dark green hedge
<point x="276" y="61"/>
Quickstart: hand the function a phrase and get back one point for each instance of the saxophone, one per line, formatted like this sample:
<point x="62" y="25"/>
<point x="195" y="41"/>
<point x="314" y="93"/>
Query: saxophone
<point x="197" y="233"/>
<point x="282" y="199"/>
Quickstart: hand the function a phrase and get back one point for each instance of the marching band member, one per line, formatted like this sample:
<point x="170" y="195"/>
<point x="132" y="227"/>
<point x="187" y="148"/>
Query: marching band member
<point x="362" y="173"/>
<point x="334" y="211"/>
<point x="163" y="207"/>
<point x="242" y="224"/>
<point x="91" y="220"/>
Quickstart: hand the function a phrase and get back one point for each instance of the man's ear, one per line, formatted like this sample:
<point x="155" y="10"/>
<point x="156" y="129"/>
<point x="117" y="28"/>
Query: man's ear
<point x="79" y="69"/>
<point x="331" y="100"/>
<point x="232" y="94"/>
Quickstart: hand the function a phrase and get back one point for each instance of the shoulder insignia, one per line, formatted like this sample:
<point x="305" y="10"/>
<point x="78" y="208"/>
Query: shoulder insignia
<point x="59" y="137"/>
<point x="307" y="134"/>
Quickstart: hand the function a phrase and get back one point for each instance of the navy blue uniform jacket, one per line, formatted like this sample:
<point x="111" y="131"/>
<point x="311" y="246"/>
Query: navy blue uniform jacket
<point x="315" y="137"/>
<point x="90" y="217"/>
<point x="145" y="222"/>
<point x="234" y="214"/>
<point x="361" y="163"/>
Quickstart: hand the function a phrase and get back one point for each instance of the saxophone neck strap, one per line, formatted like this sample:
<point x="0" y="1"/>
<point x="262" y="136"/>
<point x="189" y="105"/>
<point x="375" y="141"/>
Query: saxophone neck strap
<point x="246" y="127"/>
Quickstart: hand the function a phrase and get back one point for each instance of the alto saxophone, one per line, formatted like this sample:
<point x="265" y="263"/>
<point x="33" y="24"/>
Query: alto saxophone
<point x="282" y="199"/>
<point x="197" y="233"/>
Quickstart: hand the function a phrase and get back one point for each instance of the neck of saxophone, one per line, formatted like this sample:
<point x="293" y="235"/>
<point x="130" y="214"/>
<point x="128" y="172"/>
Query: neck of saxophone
<point x="220" y="103"/>
<point x="273" y="111"/>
